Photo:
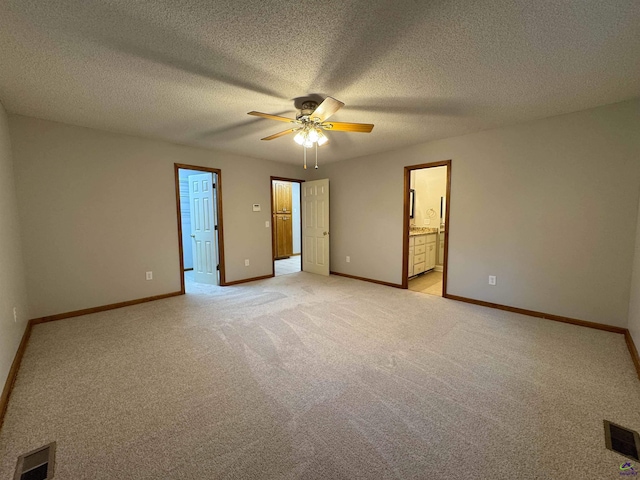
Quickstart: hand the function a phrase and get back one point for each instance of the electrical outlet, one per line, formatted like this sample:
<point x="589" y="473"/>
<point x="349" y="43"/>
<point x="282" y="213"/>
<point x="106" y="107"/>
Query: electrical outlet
<point x="246" y="262"/>
<point x="149" y="275"/>
<point x="15" y="314"/>
<point x="492" y="279"/>
<point x="348" y="259"/>
<point x="266" y="224"/>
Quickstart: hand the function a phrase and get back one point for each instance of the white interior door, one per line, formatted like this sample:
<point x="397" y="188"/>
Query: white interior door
<point x="203" y="231"/>
<point x="315" y="226"/>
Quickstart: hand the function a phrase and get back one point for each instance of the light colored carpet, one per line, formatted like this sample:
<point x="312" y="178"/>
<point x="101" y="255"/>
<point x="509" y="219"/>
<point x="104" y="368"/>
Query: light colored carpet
<point x="312" y="377"/>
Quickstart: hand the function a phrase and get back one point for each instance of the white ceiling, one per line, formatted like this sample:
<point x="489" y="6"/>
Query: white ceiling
<point x="188" y="71"/>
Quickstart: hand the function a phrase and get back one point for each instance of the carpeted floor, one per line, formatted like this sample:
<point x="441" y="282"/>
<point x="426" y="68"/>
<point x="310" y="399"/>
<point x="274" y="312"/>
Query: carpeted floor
<point x="310" y="377"/>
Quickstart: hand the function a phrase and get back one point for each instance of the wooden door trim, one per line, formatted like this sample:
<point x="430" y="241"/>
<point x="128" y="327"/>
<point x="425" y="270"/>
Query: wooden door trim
<point x="273" y="227"/>
<point x="365" y="279"/>
<point x="635" y="357"/>
<point x="220" y="231"/>
<point x="406" y="221"/>
<point x="13" y="371"/>
<point x="285" y="179"/>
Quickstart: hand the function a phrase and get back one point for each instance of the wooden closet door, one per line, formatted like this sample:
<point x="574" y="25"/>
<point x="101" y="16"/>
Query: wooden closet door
<point x="287" y="200"/>
<point x="284" y="236"/>
<point x="288" y="236"/>
<point x="282" y="197"/>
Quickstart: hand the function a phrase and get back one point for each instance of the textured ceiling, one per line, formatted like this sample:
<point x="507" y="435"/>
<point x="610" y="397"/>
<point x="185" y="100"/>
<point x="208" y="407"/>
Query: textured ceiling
<point x="188" y="71"/>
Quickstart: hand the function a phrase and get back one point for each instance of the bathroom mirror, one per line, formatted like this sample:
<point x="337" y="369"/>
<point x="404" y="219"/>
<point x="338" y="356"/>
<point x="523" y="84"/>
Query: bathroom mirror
<point x="412" y="202"/>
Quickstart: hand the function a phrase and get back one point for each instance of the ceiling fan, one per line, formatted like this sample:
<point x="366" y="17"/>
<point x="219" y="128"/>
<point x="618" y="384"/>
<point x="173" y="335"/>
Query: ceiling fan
<point x="310" y="123"/>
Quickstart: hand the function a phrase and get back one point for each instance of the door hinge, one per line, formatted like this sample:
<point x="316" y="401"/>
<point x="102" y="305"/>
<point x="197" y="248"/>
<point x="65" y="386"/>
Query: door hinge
<point x="218" y="267"/>
<point x="213" y="186"/>
<point x="216" y="227"/>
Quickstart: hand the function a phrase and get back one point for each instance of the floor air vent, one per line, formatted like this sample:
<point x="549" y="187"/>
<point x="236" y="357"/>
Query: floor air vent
<point x="622" y="440"/>
<point x="37" y="464"/>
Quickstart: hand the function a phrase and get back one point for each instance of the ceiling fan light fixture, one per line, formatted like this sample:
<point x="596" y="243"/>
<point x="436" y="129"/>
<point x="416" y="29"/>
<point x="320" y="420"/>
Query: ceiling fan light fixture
<point x="299" y="138"/>
<point x="322" y="138"/>
<point x="313" y="135"/>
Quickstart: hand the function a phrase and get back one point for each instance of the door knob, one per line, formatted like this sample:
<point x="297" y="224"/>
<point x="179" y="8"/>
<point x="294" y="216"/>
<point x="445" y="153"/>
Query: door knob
<point x="193" y="236"/>
<point x="325" y="233"/>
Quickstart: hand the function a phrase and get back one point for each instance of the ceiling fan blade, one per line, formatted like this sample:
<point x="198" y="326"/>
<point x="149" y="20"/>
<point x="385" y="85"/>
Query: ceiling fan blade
<point x="280" y="134"/>
<point x="273" y="117"/>
<point x="348" y="127"/>
<point x="327" y="108"/>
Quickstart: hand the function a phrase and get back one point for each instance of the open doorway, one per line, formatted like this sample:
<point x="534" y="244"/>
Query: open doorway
<point x="286" y="225"/>
<point x="199" y="203"/>
<point x="426" y="227"/>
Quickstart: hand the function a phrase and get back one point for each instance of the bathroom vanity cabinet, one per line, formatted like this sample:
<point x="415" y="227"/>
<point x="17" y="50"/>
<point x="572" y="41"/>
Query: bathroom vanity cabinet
<point x="422" y="253"/>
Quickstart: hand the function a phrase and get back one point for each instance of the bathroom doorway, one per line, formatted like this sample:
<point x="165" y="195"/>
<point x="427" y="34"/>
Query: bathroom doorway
<point x="286" y="225"/>
<point x="426" y="227"/>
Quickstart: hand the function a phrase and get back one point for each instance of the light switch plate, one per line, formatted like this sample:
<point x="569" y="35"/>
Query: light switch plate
<point x="492" y="279"/>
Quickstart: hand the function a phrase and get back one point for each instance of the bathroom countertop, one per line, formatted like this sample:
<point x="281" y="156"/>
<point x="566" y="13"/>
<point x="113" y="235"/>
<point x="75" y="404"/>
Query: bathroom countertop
<point x="422" y="231"/>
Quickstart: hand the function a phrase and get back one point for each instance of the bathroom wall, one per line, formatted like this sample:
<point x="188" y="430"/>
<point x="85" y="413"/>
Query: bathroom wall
<point x="430" y="184"/>
<point x="185" y="213"/>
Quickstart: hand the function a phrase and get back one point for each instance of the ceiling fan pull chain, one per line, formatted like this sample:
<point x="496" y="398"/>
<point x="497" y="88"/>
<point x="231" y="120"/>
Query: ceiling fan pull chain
<point x="304" y="149"/>
<point x="316" y="155"/>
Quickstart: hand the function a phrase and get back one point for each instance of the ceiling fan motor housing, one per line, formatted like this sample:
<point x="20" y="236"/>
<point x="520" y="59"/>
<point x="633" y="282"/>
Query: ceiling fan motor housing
<point x="307" y="109"/>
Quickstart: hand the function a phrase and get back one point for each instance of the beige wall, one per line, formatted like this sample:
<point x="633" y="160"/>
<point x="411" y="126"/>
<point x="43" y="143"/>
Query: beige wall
<point x="549" y="206"/>
<point x="634" y="303"/>
<point x="98" y="210"/>
<point x="13" y="292"/>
